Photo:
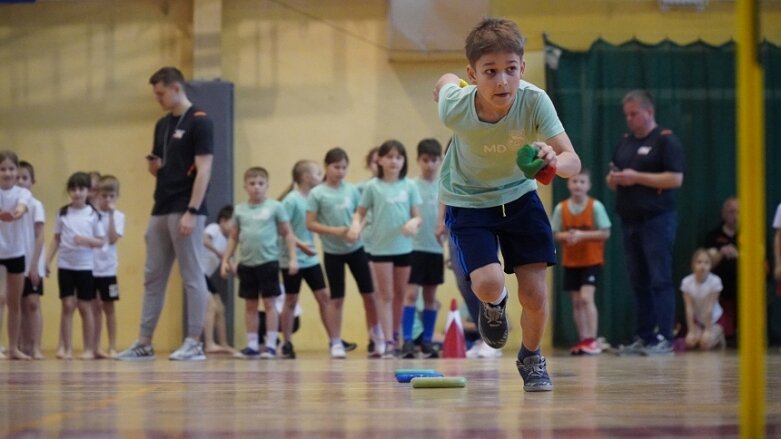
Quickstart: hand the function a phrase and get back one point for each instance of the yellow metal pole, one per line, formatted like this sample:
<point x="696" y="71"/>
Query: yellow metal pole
<point x="751" y="192"/>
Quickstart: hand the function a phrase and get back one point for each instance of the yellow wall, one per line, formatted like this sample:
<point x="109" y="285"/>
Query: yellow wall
<point x="309" y="75"/>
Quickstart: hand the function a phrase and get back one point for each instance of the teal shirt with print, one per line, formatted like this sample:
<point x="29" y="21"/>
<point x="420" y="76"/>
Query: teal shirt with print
<point x="391" y="207"/>
<point x="426" y="239"/>
<point x="295" y="206"/>
<point x="335" y="207"/>
<point x="258" y="233"/>
<point x="479" y="168"/>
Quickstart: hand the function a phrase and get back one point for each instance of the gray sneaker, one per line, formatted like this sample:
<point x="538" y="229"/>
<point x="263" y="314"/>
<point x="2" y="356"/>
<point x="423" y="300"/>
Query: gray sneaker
<point x="635" y="348"/>
<point x="662" y="348"/>
<point x="534" y="372"/>
<point x="191" y="350"/>
<point x="137" y="352"/>
<point x="492" y="324"/>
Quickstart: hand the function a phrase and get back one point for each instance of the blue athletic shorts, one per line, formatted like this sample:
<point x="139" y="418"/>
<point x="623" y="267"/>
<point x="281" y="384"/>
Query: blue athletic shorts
<point x="520" y="229"/>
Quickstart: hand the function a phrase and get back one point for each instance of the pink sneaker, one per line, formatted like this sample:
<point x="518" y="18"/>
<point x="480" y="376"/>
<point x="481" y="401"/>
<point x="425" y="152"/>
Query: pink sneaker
<point x="590" y="348"/>
<point x="577" y="349"/>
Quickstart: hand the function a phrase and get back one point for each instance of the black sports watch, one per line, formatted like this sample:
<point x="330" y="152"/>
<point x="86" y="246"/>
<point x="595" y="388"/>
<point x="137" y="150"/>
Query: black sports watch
<point x="192" y="210"/>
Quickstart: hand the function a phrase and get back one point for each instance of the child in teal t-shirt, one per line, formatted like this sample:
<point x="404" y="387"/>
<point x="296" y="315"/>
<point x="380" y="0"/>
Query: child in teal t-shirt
<point x="428" y="263"/>
<point x="329" y="213"/>
<point x="491" y="205"/>
<point x="306" y="175"/>
<point x="256" y="226"/>
<point x="394" y="203"/>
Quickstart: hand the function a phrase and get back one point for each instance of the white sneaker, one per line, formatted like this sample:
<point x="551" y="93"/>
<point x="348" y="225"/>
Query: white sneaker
<point x="191" y="350"/>
<point x="379" y="345"/>
<point x="475" y="349"/>
<point x="337" y="351"/>
<point x="488" y="352"/>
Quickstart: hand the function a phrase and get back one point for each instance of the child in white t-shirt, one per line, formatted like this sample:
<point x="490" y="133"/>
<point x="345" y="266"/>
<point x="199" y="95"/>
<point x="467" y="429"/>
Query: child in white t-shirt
<point x="76" y="233"/>
<point x="701" y="291"/>
<point x="215" y="241"/>
<point x="35" y="261"/>
<point x="105" y="271"/>
<point x="14" y="204"/>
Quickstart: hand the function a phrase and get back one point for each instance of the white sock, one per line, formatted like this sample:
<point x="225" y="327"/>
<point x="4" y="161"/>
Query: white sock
<point x="271" y="339"/>
<point x="252" y="340"/>
<point x="336" y="341"/>
<point x="501" y="297"/>
<point x="377" y="331"/>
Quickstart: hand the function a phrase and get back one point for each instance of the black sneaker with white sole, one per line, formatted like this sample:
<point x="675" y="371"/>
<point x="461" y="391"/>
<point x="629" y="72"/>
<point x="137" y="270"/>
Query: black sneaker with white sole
<point x="492" y="324"/>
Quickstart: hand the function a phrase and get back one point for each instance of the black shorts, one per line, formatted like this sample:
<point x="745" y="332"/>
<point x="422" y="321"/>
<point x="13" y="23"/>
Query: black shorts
<point x="79" y="282"/>
<point x="259" y="280"/>
<point x="210" y="285"/>
<point x="29" y="289"/>
<point x="520" y="229"/>
<point x="427" y="268"/>
<point x="359" y="267"/>
<point x="107" y="287"/>
<point x="574" y="278"/>
<point x="312" y="275"/>
<point x="13" y="265"/>
<point x="404" y="260"/>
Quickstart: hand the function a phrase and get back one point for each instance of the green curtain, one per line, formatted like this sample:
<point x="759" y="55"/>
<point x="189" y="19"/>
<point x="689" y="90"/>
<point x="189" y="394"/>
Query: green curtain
<point x="694" y="90"/>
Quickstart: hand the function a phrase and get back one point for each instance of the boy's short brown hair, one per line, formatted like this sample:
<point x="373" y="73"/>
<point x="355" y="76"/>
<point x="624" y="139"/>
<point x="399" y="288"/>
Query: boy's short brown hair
<point x="494" y="35"/>
<point x="255" y="171"/>
<point x="108" y="183"/>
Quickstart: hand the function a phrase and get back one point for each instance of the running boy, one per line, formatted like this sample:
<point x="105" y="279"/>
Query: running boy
<point x="256" y="225"/>
<point x="580" y="223"/>
<point x="490" y="202"/>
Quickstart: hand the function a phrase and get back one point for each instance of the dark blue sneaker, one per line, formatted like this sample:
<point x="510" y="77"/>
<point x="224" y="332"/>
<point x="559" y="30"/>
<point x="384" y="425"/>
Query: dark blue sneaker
<point x="534" y="373"/>
<point x="492" y="324"/>
<point x="248" y="353"/>
<point x="268" y="353"/>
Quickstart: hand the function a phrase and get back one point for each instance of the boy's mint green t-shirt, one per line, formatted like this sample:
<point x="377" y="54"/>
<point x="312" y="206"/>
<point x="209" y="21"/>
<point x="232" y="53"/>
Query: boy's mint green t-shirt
<point x="391" y="207"/>
<point x="335" y="207"/>
<point x="258" y="233"/>
<point x="426" y="239"/>
<point x="295" y="206"/>
<point x="479" y="168"/>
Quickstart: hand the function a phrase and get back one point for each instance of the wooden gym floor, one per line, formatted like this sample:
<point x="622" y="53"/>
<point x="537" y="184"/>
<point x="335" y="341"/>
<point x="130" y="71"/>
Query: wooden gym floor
<point x="688" y="395"/>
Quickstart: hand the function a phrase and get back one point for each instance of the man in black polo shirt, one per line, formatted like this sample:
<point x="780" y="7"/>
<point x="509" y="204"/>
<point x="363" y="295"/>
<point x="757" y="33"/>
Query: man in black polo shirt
<point x="181" y="161"/>
<point x="646" y="171"/>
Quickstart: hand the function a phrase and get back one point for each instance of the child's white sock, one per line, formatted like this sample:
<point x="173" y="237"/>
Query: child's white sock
<point x="271" y="339"/>
<point x="336" y="341"/>
<point x="252" y="340"/>
<point x="501" y="297"/>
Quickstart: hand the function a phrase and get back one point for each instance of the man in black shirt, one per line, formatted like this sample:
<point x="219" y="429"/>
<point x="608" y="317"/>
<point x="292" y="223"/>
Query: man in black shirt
<point x="181" y="161"/>
<point x="646" y="171"/>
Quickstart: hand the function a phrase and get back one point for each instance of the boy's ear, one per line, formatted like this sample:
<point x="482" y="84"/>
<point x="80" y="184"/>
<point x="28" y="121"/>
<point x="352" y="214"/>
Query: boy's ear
<point x="470" y="74"/>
